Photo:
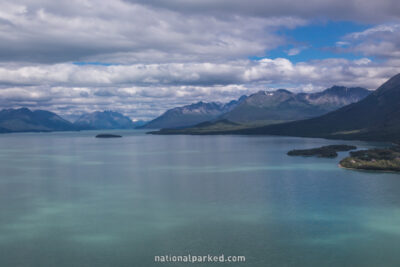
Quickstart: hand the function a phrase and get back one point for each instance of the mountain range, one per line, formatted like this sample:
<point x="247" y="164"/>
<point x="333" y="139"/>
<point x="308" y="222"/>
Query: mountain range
<point x="26" y="120"/>
<point x="374" y="118"/>
<point x="100" y="120"/>
<point x="267" y="107"/>
<point x="192" y="114"/>
<point x="261" y="108"/>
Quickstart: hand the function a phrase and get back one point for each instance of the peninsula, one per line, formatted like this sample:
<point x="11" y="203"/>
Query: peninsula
<point x="321" y="152"/>
<point x="374" y="159"/>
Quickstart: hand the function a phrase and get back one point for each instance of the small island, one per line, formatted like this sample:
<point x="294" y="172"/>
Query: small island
<point x="108" y="136"/>
<point x="321" y="152"/>
<point x="374" y="159"/>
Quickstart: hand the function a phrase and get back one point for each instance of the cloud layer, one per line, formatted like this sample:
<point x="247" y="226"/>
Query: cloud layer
<point x="147" y="90"/>
<point x="382" y="41"/>
<point x="121" y="32"/>
<point x="360" y="10"/>
<point x="147" y="56"/>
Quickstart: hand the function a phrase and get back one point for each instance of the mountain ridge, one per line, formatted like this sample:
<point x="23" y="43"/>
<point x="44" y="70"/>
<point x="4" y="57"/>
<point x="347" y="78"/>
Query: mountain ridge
<point x="102" y="120"/>
<point x="192" y="114"/>
<point x="376" y="117"/>
<point x="26" y="120"/>
<point x="260" y="108"/>
<point x="283" y="105"/>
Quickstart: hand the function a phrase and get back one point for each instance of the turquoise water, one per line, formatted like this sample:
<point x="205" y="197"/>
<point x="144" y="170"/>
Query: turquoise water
<point x="69" y="199"/>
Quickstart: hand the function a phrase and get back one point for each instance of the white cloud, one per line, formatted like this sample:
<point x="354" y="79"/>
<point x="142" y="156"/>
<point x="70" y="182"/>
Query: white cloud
<point x="294" y="51"/>
<point x="168" y="53"/>
<point x="342" y="43"/>
<point x="380" y="41"/>
<point x="144" y="91"/>
<point x="374" y="30"/>
<point x="266" y="70"/>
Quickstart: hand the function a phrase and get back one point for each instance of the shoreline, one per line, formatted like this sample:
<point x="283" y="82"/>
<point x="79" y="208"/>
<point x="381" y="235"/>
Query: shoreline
<point x="365" y="170"/>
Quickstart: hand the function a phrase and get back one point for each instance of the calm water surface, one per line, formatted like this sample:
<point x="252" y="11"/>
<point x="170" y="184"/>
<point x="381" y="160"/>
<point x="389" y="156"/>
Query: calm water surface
<point x="69" y="199"/>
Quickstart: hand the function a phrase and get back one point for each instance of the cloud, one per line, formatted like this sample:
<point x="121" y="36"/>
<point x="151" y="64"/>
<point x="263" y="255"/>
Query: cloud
<point x="295" y="51"/>
<point x="342" y="43"/>
<point x="136" y="102"/>
<point x="46" y="31"/>
<point x="122" y="32"/>
<point x="381" y="41"/>
<point x="145" y="91"/>
<point x="359" y="10"/>
<point x="148" y="56"/>
<point x="280" y="70"/>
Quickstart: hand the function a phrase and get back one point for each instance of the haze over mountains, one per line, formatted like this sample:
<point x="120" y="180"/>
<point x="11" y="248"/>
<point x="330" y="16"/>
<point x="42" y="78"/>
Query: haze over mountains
<point x="25" y="120"/>
<point x="104" y="120"/>
<point x="261" y="108"/>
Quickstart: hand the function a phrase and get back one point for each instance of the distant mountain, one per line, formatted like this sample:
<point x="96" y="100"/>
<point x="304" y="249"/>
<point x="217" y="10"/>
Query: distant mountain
<point x="266" y="107"/>
<point x="104" y="120"/>
<point x="335" y="97"/>
<point x="192" y="114"/>
<point x="376" y="117"/>
<point x="4" y="130"/>
<point x="139" y="123"/>
<point x="25" y="120"/>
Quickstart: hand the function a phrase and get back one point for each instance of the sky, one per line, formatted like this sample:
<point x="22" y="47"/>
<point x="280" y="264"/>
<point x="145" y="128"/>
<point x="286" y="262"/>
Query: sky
<point x="141" y="58"/>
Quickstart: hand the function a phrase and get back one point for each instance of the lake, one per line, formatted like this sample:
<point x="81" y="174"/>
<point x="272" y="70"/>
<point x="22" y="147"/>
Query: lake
<point x="69" y="199"/>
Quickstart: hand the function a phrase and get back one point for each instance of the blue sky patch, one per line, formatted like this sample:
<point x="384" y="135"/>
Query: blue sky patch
<point x="315" y="41"/>
<point x="83" y="63"/>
